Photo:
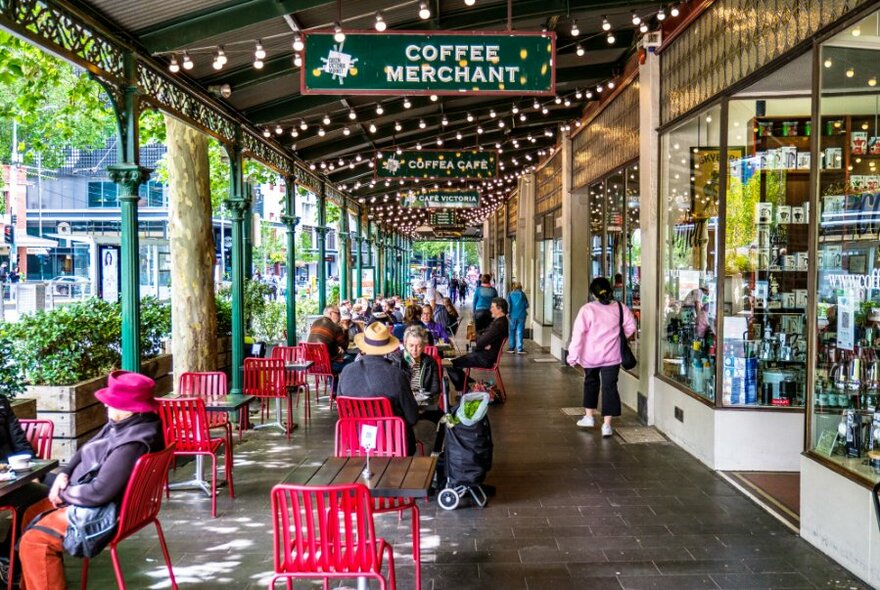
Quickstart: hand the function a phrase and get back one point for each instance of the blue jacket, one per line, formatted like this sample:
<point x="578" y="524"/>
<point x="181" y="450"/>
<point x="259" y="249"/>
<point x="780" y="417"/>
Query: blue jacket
<point x="483" y="297"/>
<point x="517" y="304"/>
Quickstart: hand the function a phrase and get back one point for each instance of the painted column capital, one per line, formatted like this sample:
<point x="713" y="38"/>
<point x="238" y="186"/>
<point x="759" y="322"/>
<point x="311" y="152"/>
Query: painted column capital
<point x="130" y="177"/>
<point x="237" y="207"/>
<point x="291" y="221"/>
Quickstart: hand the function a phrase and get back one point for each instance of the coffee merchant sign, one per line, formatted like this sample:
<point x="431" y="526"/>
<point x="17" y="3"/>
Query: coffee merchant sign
<point x="436" y="63"/>
<point x="442" y="199"/>
<point x="471" y="164"/>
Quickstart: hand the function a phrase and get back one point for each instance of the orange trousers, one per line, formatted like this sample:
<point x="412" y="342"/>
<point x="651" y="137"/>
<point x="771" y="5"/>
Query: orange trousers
<point x="41" y="553"/>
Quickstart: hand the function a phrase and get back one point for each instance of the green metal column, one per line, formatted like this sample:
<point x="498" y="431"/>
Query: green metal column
<point x="398" y="260"/>
<point x="129" y="175"/>
<point x="321" y="230"/>
<point x="290" y="220"/>
<point x="344" y="254"/>
<point x="238" y="206"/>
<point x="359" y="281"/>
<point x="248" y="233"/>
<point x="370" y="243"/>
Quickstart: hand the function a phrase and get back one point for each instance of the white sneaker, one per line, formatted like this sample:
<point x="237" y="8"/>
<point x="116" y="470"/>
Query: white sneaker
<point x="606" y="431"/>
<point x="586" y="422"/>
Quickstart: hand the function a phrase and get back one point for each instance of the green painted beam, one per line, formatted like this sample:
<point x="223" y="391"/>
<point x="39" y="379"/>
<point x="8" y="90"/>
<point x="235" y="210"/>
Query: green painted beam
<point x="188" y="29"/>
<point x="246" y="75"/>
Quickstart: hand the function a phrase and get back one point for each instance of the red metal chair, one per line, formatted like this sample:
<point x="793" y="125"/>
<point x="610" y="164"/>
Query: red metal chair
<point x="327" y="532"/>
<point x="437" y="359"/>
<point x="185" y="422"/>
<point x="496" y="369"/>
<point x="210" y="386"/>
<point x="140" y="507"/>
<point x="432" y="350"/>
<point x="265" y="379"/>
<point x="390" y="442"/>
<point x="39" y="435"/>
<point x="369" y="407"/>
<point x="296" y="381"/>
<point x="322" y="370"/>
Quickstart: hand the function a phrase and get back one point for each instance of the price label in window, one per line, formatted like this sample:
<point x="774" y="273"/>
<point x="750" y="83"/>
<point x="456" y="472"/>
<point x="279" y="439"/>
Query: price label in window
<point x="368" y="437"/>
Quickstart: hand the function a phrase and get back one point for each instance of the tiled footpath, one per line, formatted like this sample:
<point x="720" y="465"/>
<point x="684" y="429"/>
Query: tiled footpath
<point x="572" y="510"/>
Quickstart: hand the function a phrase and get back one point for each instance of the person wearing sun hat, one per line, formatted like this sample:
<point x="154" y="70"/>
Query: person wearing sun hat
<point x="96" y="475"/>
<point x="373" y="375"/>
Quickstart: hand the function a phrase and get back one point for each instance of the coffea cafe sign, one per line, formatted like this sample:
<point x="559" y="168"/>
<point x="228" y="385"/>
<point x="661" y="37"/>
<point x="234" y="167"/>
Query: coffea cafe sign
<point x="442" y="199"/>
<point x="443" y="62"/>
<point x="472" y="164"/>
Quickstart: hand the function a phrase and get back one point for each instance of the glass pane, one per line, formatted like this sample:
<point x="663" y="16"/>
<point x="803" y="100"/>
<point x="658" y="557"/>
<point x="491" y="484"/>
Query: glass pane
<point x="766" y="259"/>
<point x="542" y="288"/>
<point x="846" y="417"/>
<point x="614" y="191"/>
<point x="548" y="282"/>
<point x="689" y="223"/>
<point x="557" y="286"/>
<point x="597" y="200"/>
<point x="633" y="252"/>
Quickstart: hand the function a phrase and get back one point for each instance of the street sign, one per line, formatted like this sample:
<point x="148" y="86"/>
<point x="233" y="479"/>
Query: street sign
<point x="436" y="62"/>
<point x="469" y="164"/>
<point x="442" y="199"/>
<point x="444" y="218"/>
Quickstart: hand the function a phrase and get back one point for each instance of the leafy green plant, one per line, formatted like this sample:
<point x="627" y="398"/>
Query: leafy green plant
<point x="155" y="325"/>
<point x="305" y="308"/>
<point x="11" y="374"/>
<point x="271" y="322"/>
<point x="224" y="315"/>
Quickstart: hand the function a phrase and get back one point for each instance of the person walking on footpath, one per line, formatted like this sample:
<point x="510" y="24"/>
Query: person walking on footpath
<point x="483" y="296"/>
<point x="595" y="346"/>
<point x="518" y="305"/>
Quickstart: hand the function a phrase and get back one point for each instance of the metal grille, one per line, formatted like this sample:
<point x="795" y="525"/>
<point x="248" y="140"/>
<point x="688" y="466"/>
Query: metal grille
<point x="610" y="140"/>
<point x="733" y="39"/>
<point x="548" y="193"/>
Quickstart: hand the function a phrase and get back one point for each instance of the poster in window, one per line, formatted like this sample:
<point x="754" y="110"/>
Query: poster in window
<point x="706" y="178"/>
<point x="110" y="275"/>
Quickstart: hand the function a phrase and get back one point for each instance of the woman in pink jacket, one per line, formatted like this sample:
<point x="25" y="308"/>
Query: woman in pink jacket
<point x="595" y="346"/>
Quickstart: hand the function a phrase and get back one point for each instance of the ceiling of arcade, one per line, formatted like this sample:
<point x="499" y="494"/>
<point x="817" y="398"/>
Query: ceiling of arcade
<point x="244" y="51"/>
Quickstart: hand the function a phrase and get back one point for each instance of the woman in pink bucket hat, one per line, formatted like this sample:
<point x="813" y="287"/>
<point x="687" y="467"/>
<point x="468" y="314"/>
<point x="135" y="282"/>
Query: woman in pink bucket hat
<point x="96" y="475"/>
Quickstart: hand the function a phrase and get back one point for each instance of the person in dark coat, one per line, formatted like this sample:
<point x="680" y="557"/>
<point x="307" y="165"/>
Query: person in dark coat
<point x="134" y="429"/>
<point x="486" y="349"/>
<point x="373" y="375"/>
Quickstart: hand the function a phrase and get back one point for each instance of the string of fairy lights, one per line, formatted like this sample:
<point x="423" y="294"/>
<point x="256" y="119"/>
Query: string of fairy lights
<point x="476" y="129"/>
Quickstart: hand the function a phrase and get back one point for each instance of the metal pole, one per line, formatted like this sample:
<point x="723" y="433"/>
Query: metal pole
<point x="238" y="206"/>
<point x="248" y="228"/>
<point x="343" y="253"/>
<point x="290" y="220"/>
<point x="322" y="249"/>
<point x="360" y="256"/>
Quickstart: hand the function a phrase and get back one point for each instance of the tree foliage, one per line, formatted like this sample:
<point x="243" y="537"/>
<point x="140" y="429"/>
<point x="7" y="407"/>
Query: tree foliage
<point x="54" y="105"/>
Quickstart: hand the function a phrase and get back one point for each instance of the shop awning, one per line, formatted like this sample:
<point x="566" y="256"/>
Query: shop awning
<point x="28" y="241"/>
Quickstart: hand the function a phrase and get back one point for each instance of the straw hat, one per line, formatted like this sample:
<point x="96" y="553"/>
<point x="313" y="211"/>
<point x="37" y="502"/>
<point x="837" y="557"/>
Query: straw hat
<point x="376" y="340"/>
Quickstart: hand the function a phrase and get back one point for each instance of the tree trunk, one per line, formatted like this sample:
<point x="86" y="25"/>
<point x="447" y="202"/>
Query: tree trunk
<point x="193" y="311"/>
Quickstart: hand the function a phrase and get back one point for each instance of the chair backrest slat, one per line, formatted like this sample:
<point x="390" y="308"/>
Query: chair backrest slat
<point x="39" y="433"/>
<point x="363" y="407"/>
<point x="317" y="353"/>
<point x="390" y="437"/>
<point x="291" y="354"/>
<point x="143" y="494"/>
<point x="208" y="385"/>
<point x="323" y="529"/>
<point x="264" y="377"/>
<point x="185" y="422"/>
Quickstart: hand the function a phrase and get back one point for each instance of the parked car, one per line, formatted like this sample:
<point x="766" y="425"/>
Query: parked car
<point x="70" y="285"/>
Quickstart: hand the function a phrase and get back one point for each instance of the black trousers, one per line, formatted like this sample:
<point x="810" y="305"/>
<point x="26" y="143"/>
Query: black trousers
<point x="482" y="319"/>
<point x="469" y="360"/>
<point x="610" y="396"/>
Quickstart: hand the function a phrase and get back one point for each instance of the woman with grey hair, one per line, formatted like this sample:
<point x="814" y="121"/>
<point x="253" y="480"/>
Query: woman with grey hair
<point x="423" y="371"/>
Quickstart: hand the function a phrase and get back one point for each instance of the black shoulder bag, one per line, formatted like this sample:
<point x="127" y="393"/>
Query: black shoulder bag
<point x="627" y="358"/>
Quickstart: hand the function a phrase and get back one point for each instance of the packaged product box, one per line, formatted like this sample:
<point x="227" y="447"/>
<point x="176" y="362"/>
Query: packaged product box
<point x="832" y="206"/>
<point x="803" y="160"/>
<point x="783" y="214"/>
<point x="859" y="143"/>
<point x="763" y="212"/>
<point x="874" y="146"/>
<point x="789" y="128"/>
<point x="858" y="183"/>
<point x="802" y="260"/>
<point x="787" y="157"/>
<point x="832" y="257"/>
<point x="833" y="158"/>
<point x="800" y="298"/>
<point x="798" y="215"/>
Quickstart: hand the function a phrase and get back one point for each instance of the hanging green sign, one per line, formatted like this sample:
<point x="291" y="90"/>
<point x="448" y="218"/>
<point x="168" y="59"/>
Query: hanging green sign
<point x="457" y="164"/>
<point x="445" y="62"/>
<point x="442" y="199"/>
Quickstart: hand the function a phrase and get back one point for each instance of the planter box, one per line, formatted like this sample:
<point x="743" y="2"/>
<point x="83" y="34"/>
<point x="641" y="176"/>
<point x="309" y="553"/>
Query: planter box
<point x="78" y="415"/>
<point x="24" y="408"/>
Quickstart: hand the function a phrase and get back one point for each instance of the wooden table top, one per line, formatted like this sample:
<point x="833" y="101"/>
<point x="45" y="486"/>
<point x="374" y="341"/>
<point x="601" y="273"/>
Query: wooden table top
<point x="40" y="468"/>
<point x="392" y="477"/>
<point x="227" y="403"/>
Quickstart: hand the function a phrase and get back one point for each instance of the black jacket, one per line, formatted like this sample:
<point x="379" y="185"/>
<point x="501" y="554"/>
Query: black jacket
<point x="12" y="437"/>
<point x="489" y="341"/>
<point x="376" y="376"/>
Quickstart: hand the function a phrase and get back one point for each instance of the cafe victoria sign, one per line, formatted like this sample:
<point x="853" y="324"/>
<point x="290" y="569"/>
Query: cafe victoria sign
<point x="457" y="164"/>
<point x="446" y="62"/>
<point x="442" y="199"/>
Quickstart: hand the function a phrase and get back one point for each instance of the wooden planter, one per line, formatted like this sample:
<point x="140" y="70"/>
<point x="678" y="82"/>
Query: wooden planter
<point x="78" y="415"/>
<point x="24" y="408"/>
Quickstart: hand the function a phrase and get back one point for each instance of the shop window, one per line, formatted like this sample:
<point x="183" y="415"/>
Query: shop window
<point x="597" y="208"/>
<point x="689" y="226"/>
<point x="766" y="252"/>
<point x="845" y="421"/>
<point x="548" y="282"/>
<point x="632" y="251"/>
<point x="558" y="274"/>
<point x="538" y="303"/>
<point x="614" y="198"/>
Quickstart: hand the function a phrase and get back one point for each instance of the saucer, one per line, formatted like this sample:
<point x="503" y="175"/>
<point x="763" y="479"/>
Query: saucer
<point x="29" y="466"/>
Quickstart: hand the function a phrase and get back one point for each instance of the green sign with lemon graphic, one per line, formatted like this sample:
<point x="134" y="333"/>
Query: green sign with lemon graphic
<point x="433" y="164"/>
<point x="429" y="63"/>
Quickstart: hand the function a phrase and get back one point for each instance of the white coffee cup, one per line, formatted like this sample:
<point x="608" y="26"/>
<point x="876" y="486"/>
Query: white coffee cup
<point x="18" y="462"/>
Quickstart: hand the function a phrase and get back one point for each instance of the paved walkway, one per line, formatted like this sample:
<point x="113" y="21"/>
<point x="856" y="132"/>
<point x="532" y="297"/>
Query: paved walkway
<point x="573" y="510"/>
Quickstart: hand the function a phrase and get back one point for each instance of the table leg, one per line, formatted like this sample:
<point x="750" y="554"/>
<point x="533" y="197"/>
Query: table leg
<point x="198" y="479"/>
<point x="279" y="420"/>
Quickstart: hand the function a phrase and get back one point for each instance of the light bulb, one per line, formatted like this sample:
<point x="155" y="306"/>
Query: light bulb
<point x="352" y="115"/>
<point x="636" y="19"/>
<point x="294" y="132"/>
<point x="444" y="121"/>
<point x="611" y="84"/>
<point x="267" y="133"/>
<point x="338" y="35"/>
<point x="297" y="60"/>
<point x="379" y="109"/>
<point x="381" y="25"/>
<point x="673" y="12"/>
<point x="434" y="98"/>
<point x="606" y="26"/>
<point x="424" y="13"/>
<point x="326" y="120"/>
<point x="259" y="52"/>
<point x="828" y="62"/>
<point x="557" y="100"/>
<point x="406" y="103"/>
<point x="422" y="124"/>
<point x="661" y="15"/>
<point x="321" y="132"/>
<point x="470" y="118"/>
<point x="514" y="109"/>
<point x="398" y="126"/>
<point x="173" y="66"/>
<point x="872" y="81"/>
<point x="470" y="2"/>
<point x="501" y="122"/>
<point x="578" y="94"/>
<point x="850" y="72"/>
<point x="303" y="125"/>
<point x="611" y="39"/>
<point x="439" y="141"/>
<point x="599" y="88"/>
<point x="536" y="105"/>
<point x="492" y="113"/>
<point x="575" y="31"/>
<point x="258" y="63"/>
<point x="643" y="28"/>
<point x="221" y="56"/>
<point x="372" y="128"/>
<point x="298" y="44"/>
<point x="580" y="50"/>
<point x="278" y="130"/>
<point x="187" y="62"/>
<point x="217" y="65"/>
<point x="522" y="117"/>
<point x="479" y="130"/>
<point x="545" y="110"/>
<point x="856" y="31"/>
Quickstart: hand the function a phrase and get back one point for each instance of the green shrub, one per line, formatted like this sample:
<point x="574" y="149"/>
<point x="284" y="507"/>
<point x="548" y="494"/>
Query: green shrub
<point x="224" y="315"/>
<point x="11" y="373"/>
<point x="270" y="323"/>
<point x="155" y="325"/>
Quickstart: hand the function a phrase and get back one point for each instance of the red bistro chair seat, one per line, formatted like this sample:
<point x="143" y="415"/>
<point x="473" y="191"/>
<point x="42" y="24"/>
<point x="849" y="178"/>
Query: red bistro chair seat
<point x="495" y="369"/>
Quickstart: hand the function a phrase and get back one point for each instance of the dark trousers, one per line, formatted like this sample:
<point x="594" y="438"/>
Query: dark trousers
<point x="471" y="359"/>
<point x="610" y="395"/>
<point x="482" y="319"/>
